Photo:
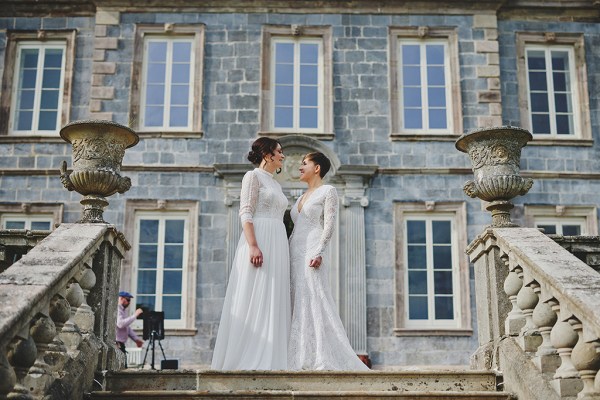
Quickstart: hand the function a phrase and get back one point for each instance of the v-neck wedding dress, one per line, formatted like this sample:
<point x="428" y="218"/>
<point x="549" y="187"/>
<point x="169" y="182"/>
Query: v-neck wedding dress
<point x="318" y="340"/>
<point x="255" y="322"/>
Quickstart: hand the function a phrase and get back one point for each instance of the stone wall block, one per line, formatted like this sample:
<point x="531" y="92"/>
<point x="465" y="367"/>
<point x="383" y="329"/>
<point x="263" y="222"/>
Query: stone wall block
<point x="489" y="121"/>
<point x="104" y="68"/>
<point x="99" y="55"/>
<point x="104" y="17"/>
<point x="486" y="46"/>
<point x="111" y="43"/>
<point x="488" y="71"/>
<point x="103" y="92"/>
<point x="490" y="96"/>
<point x="485" y="21"/>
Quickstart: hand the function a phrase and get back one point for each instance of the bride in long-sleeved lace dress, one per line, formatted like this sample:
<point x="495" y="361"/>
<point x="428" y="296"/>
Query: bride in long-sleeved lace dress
<point x="318" y="340"/>
<point x="255" y="322"/>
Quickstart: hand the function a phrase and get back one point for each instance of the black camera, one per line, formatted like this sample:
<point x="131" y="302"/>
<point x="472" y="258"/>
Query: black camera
<point x="154" y="325"/>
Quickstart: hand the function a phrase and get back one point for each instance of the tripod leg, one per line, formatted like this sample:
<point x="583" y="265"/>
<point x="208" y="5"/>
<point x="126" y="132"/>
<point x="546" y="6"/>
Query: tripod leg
<point x="153" y="339"/>
<point x="161" y="349"/>
<point x="146" y="355"/>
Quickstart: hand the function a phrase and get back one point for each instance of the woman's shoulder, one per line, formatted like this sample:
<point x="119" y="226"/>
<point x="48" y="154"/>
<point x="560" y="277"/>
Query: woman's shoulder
<point x="329" y="189"/>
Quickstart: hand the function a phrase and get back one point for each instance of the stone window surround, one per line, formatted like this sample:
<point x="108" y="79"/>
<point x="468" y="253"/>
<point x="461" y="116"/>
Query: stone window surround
<point x="401" y="210"/>
<point x="580" y="92"/>
<point x="54" y="210"/>
<point x="12" y="40"/>
<point x="268" y="33"/>
<point x="531" y="212"/>
<point x="127" y="274"/>
<point x="144" y="30"/>
<point x="396" y="34"/>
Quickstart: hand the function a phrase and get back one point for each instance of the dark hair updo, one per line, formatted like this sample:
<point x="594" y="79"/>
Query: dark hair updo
<point x="261" y="148"/>
<point x="321" y="160"/>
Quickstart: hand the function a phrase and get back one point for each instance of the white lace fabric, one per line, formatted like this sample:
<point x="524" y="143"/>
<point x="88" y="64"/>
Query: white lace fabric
<point x="261" y="197"/>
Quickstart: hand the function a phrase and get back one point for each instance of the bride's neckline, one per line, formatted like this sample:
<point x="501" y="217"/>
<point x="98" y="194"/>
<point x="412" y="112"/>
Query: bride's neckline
<point x="262" y="171"/>
<point x="303" y="202"/>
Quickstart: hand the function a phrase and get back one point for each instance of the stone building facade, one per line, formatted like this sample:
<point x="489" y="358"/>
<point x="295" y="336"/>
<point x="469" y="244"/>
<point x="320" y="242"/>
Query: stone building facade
<point x="383" y="88"/>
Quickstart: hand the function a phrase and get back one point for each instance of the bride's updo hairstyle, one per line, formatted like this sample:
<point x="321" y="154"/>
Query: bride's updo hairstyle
<point x="261" y="148"/>
<point x="321" y="160"/>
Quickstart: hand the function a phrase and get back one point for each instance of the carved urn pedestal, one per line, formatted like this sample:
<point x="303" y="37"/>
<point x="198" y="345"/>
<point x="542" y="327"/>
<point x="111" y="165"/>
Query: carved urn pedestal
<point x="98" y="150"/>
<point x="495" y="155"/>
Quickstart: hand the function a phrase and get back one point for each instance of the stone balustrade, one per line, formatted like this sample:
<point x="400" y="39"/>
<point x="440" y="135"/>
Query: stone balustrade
<point x="538" y="309"/>
<point x="58" y="313"/>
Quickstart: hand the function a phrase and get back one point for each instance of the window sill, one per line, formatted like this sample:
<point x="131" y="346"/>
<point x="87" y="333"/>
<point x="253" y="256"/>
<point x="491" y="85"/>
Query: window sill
<point x="54" y="138"/>
<point x="424" y="137"/>
<point x="170" y="134"/>
<point x="432" y="332"/>
<point x="560" y="142"/>
<point x="316" y="135"/>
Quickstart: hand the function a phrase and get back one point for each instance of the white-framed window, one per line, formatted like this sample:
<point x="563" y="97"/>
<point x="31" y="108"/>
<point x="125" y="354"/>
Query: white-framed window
<point x="167" y="83"/>
<point x="432" y="271"/>
<point x="425" y="94"/>
<point x="566" y="226"/>
<point x="553" y="92"/>
<point x="550" y="76"/>
<point x="36" y="222"/>
<point x="425" y="103"/>
<point x="297" y="86"/>
<point x="160" y="263"/>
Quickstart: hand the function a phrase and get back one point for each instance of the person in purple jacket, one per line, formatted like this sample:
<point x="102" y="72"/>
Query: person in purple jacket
<point x="123" y="328"/>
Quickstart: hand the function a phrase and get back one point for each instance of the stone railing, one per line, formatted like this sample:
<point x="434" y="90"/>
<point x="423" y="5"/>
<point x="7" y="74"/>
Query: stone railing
<point x="538" y="310"/>
<point x="586" y="248"/>
<point x="58" y="313"/>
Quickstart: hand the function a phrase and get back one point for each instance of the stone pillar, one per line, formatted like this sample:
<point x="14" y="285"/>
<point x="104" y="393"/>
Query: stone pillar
<point x="353" y="279"/>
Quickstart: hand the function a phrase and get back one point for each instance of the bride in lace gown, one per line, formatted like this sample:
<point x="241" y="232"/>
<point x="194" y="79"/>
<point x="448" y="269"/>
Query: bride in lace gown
<point x="255" y="322"/>
<point x="318" y="340"/>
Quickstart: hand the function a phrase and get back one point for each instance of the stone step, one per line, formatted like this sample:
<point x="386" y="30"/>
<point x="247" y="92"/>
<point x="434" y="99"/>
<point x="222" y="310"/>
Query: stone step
<point x="301" y="381"/>
<point x="298" y="395"/>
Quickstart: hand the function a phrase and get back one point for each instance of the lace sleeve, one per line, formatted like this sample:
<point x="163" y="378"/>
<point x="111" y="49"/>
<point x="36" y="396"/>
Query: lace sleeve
<point x="248" y="196"/>
<point x="330" y="209"/>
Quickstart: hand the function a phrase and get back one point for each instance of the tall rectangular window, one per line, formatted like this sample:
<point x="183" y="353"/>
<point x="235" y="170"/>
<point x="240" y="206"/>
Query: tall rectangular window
<point x="298" y="84"/>
<point x="34" y="222"/>
<point x="425" y="94"/>
<point x="160" y="261"/>
<point x="550" y="77"/>
<point x="37" y="97"/>
<point x="167" y="83"/>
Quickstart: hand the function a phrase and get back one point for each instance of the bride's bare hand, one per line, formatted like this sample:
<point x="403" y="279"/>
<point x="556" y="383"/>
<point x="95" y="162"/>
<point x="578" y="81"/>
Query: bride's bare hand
<point x="256" y="256"/>
<point x="315" y="262"/>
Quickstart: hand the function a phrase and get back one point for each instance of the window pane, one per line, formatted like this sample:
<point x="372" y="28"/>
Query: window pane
<point x="147" y="256"/>
<point x="417" y="282"/>
<point x="47" y="121"/>
<point x="172" y="282"/>
<point x="49" y="100"/>
<point x="415" y="231"/>
<point x="14" y="225"/>
<point x="560" y="81"/>
<point x="180" y="95"/>
<point x="155" y="94"/>
<point x="53" y="58"/>
<point x="174" y="230"/>
<point x="309" y="75"/>
<point x="28" y="78"/>
<point x="284" y="73"/>
<point x="442" y="257"/>
<point x="411" y="54"/>
<point x="571" y="230"/>
<point x="284" y="117"/>
<point x="561" y="102"/>
<point x="539" y="102"/>
<point x="284" y="95"/>
<point x="29" y="58"/>
<point x="40" y="225"/>
<point x="24" y="120"/>
<point x="180" y="73"/>
<point x="147" y="302"/>
<point x="179" y="116"/>
<point x="26" y="98"/>
<point x="564" y="124"/>
<point x="148" y="231"/>
<point x="147" y="282"/>
<point x="435" y="76"/>
<point x="182" y="52"/>
<point x="173" y="256"/>
<point x="412" y="118"/>
<point x="172" y="307"/>
<point x="154" y="116"/>
<point x="536" y="60"/>
<point x="417" y="307"/>
<point x="412" y="97"/>
<point x="541" y="123"/>
<point x="537" y="81"/>
<point x="560" y="61"/>
<point x="444" y="307"/>
<point x="309" y="53"/>
<point x="442" y="232"/>
<point x="156" y="73"/>
<point x="417" y="256"/>
<point x="284" y="53"/>
<point x="437" y="119"/>
<point x="51" y="78"/>
<point x="437" y="97"/>
<point x="411" y="76"/>
<point x="548" y="229"/>
<point x="309" y="118"/>
<point x="157" y="52"/>
<point x="442" y="281"/>
<point x="435" y="54"/>
<point x="309" y="96"/>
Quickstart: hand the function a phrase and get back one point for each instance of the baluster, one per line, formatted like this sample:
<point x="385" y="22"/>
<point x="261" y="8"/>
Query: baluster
<point x="515" y="319"/>
<point x="8" y="378"/>
<point x="60" y="312"/>
<point x="586" y="360"/>
<point x="529" y="338"/>
<point x="547" y="359"/>
<point x="22" y="355"/>
<point x="84" y="316"/>
<point x="39" y="376"/>
<point x="566" y="380"/>
<point x="70" y="334"/>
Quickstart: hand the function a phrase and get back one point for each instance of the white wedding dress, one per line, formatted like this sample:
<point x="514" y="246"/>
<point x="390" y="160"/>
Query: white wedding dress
<point x="318" y="340"/>
<point x="255" y="321"/>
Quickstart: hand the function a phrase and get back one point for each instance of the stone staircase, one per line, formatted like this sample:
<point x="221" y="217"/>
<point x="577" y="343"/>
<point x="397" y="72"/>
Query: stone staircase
<point x="414" y="384"/>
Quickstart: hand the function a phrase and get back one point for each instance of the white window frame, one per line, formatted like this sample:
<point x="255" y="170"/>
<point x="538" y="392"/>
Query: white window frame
<point x="52" y="211"/>
<point x="559" y="222"/>
<point x="133" y="209"/>
<point x="170" y="40"/>
<point x="27" y="218"/>
<point x="422" y="43"/>
<point x="460" y="325"/>
<point x="296" y="84"/>
<point x="550" y="92"/>
<point x="555" y="215"/>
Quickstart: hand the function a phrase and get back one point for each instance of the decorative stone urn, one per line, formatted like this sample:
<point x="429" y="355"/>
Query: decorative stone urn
<point x="98" y="150"/>
<point x="495" y="155"/>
